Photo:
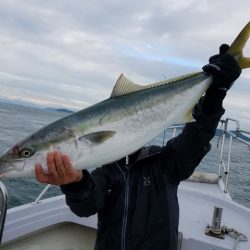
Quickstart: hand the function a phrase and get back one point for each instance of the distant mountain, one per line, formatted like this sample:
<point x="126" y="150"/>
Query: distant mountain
<point x="20" y="103"/>
<point x="33" y="105"/>
<point x="60" y="110"/>
<point x="65" y="111"/>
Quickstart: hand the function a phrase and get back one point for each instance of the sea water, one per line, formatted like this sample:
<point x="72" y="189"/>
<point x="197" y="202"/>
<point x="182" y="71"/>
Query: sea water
<point x="17" y="122"/>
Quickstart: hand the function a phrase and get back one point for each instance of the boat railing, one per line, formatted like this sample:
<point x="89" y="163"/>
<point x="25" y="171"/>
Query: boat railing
<point x="236" y="134"/>
<point x="226" y="150"/>
<point x="4" y="203"/>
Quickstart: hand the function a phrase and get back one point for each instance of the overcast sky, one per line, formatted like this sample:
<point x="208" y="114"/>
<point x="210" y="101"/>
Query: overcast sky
<point x="70" y="53"/>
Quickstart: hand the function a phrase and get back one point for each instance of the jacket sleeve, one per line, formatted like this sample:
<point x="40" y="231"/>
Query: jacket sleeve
<point x="182" y="154"/>
<point x="87" y="196"/>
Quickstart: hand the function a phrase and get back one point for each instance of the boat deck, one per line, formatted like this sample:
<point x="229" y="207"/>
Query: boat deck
<point x="197" y="202"/>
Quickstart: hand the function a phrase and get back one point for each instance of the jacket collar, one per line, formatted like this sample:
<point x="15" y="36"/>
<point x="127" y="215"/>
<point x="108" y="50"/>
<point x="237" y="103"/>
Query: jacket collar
<point x="139" y="155"/>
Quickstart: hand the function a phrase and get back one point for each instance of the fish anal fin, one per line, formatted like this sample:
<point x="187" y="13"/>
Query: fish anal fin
<point x="188" y="117"/>
<point x="97" y="137"/>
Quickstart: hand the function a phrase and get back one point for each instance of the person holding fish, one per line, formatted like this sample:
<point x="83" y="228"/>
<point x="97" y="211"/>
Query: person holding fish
<point x="136" y="196"/>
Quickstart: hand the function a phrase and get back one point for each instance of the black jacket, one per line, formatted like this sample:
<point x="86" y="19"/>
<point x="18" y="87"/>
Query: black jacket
<point x="137" y="204"/>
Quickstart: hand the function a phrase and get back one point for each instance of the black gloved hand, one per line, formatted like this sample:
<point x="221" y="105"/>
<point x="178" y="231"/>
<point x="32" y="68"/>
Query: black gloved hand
<point x="224" y="69"/>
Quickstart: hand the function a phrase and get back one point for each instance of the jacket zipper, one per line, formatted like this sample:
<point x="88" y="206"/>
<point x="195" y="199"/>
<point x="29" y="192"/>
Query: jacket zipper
<point x="125" y="212"/>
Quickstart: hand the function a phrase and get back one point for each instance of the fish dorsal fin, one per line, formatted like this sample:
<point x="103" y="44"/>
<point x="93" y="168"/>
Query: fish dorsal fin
<point x="125" y="86"/>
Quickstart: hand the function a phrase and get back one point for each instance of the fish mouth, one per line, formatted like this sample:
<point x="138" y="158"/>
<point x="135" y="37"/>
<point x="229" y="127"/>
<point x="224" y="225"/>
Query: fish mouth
<point x="10" y="166"/>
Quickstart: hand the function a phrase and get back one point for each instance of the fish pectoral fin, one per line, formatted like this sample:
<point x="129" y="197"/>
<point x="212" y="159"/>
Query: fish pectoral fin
<point x="97" y="137"/>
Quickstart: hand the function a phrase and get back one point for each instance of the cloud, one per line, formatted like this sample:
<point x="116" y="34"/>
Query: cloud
<point x="70" y="53"/>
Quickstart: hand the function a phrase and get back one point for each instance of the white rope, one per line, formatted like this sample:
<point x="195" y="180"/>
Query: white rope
<point x="238" y="236"/>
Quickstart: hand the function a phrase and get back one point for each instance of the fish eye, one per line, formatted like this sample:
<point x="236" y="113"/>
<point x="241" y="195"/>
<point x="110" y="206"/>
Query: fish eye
<point x="26" y="152"/>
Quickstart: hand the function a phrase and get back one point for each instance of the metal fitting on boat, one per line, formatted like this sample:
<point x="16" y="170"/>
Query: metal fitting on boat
<point x="215" y="229"/>
<point x="217" y="215"/>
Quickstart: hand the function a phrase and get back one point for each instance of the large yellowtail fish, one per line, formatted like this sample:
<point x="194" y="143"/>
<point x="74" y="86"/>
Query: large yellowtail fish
<point x="118" y="126"/>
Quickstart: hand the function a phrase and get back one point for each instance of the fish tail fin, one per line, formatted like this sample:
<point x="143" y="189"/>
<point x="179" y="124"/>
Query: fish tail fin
<point x="244" y="62"/>
<point x="236" y="48"/>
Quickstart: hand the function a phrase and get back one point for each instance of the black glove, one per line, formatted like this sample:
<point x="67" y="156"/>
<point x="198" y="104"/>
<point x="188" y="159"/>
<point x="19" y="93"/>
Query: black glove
<point x="224" y="70"/>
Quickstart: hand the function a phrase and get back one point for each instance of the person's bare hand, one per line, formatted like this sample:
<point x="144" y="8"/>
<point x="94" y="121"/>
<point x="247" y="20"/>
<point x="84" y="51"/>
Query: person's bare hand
<point x="60" y="171"/>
